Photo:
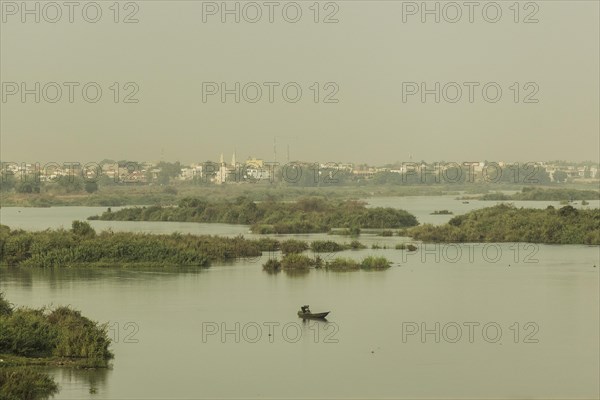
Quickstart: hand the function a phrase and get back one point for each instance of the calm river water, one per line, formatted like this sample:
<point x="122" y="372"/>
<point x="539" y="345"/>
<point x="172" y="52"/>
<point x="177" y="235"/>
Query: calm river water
<point x="468" y="321"/>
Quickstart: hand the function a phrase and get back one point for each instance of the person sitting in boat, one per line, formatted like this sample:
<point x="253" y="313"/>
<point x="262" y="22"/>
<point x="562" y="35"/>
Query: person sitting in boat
<point x="305" y="309"/>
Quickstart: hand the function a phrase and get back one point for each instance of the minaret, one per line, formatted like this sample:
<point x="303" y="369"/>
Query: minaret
<point x="221" y="159"/>
<point x="233" y="158"/>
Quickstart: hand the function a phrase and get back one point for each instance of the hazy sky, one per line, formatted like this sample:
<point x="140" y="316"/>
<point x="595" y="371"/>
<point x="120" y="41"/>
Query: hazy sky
<point x="367" y="56"/>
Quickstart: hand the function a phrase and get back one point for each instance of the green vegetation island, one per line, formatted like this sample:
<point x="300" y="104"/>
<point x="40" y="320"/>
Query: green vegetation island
<point x="306" y="215"/>
<point x="299" y="262"/>
<point x="45" y="337"/>
<point x="82" y="246"/>
<point x="540" y="194"/>
<point x="506" y="223"/>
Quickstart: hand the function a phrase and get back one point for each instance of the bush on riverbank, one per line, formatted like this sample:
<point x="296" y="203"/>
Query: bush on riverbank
<point x="5" y="307"/>
<point x="25" y="384"/>
<point x="506" y="223"/>
<point x="45" y="337"/>
<point x="62" y="332"/>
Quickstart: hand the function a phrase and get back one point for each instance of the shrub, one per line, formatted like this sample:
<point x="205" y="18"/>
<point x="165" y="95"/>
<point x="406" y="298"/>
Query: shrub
<point x="27" y="333"/>
<point x="272" y="265"/>
<point x="296" y="261"/>
<point x="5" y="307"/>
<point x="404" y="246"/>
<point x="342" y="264"/>
<point x="268" y="244"/>
<point x="372" y="262"/>
<point x="79" y="337"/>
<point x="293" y="246"/>
<point x="25" y="384"/>
<point x="62" y="332"/>
<point x="355" y="245"/>
<point x="325" y="246"/>
<point x="82" y="229"/>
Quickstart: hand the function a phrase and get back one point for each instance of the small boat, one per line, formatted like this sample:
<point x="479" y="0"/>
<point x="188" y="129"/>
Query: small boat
<point x="320" y="315"/>
<point x="305" y="313"/>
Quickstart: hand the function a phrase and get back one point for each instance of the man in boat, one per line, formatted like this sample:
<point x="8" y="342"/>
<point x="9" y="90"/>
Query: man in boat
<point x="305" y="309"/>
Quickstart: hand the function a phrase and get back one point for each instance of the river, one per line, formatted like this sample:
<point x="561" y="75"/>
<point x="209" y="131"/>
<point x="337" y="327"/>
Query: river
<point x="457" y="321"/>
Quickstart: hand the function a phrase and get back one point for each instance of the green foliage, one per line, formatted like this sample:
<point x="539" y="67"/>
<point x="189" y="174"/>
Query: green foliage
<point x="170" y="190"/>
<point x="91" y="186"/>
<point x="404" y="246"/>
<point x="296" y="261"/>
<point x="560" y="176"/>
<point x="27" y="333"/>
<point x="26" y="384"/>
<point x="62" y="332"/>
<point x="168" y="171"/>
<point x="530" y="193"/>
<point x="372" y="262"/>
<point x="79" y="337"/>
<point x="307" y="215"/>
<point x="82" y="247"/>
<point x="342" y="264"/>
<point x="292" y="246"/>
<point x="268" y="244"/>
<point x="326" y="246"/>
<point x="505" y="223"/>
<point x="7" y="181"/>
<point x="272" y="265"/>
<point x="5" y="307"/>
<point x="356" y="245"/>
<point x="28" y="186"/>
<point x="82" y="229"/>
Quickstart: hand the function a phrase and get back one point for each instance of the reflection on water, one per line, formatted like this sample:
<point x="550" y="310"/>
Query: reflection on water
<point x="369" y="310"/>
<point x="74" y="381"/>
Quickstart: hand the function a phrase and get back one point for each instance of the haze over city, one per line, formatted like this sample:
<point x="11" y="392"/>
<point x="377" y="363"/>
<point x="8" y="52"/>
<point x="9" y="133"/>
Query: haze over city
<point x="368" y="55"/>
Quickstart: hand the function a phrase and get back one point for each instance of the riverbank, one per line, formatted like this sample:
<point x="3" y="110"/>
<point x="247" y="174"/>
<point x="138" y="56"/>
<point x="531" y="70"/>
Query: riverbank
<point x="45" y="337"/>
<point x="539" y="194"/>
<point x="132" y="195"/>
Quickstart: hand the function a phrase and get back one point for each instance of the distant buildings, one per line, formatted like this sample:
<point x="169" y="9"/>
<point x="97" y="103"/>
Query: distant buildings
<point x="255" y="169"/>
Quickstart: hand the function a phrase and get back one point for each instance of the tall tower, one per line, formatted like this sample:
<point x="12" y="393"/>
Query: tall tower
<point x="221" y="159"/>
<point x="233" y="158"/>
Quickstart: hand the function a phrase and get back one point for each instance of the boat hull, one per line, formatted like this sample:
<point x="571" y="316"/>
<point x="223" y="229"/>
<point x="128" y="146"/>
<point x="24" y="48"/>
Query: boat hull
<point x="313" y="315"/>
